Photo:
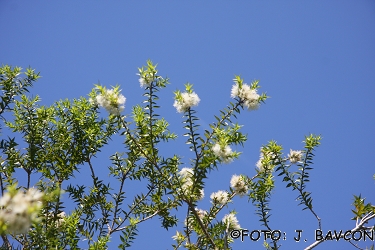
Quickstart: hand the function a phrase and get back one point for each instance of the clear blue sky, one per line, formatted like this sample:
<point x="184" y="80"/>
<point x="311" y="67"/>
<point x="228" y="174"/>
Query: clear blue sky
<point x="316" y="59"/>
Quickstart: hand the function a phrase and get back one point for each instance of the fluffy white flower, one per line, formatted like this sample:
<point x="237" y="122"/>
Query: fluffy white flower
<point x="186" y="172"/>
<point x="186" y="175"/>
<point x="238" y="184"/>
<point x="201" y="195"/>
<point x="201" y="213"/>
<point x="142" y="82"/>
<point x="145" y="80"/>
<point x="231" y="221"/>
<point x="259" y="165"/>
<point x="187" y="101"/>
<point x="220" y="197"/>
<point x="295" y="156"/>
<point x="101" y="100"/>
<point x="216" y="149"/>
<point x="33" y="195"/>
<point x="60" y="218"/>
<point x="191" y="218"/>
<point x="110" y="100"/>
<point x="20" y="210"/>
<point x="224" y="153"/>
<point x="270" y="156"/>
<point x="249" y="96"/>
<point x="16" y="223"/>
<point x="5" y="200"/>
<point x="92" y="101"/>
<point x="235" y="91"/>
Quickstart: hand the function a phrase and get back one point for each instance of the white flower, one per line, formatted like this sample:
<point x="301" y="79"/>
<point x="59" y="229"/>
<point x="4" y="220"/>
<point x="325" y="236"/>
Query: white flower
<point x="92" y="101"/>
<point x="60" y="218"/>
<point x="260" y="165"/>
<point x="186" y="175"/>
<point x="201" y="213"/>
<point x="19" y="204"/>
<point x="101" y="100"/>
<point x="270" y="156"/>
<point x="33" y="195"/>
<point x="238" y="184"/>
<point x="145" y="79"/>
<point x="186" y="172"/>
<point x="16" y="223"/>
<point x="249" y="96"/>
<point x="216" y="149"/>
<point x="187" y="101"/>
<point x="295" y="156"/>
<point x="191" y="218"/>
<point x="111" y="100"/>
<point x="142" y="82"/>
<point x="231" y="221"/>
<point x="178" y="237"/>
<point x="188" y="221"/>
<point x="223" y="153"/>
<point x="19" y="211"/>
<point x="220" y="197"/>
<point x="5" y="200"/>
<point x="235" y="91"/>
<point x="201" y="195"/>
<point x="190" y="99"/>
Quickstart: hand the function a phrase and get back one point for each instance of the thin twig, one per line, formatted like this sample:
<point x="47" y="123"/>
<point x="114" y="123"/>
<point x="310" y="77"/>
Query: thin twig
<point x="219" y="123"/>
<point x="359" y="226"/>
<point x="187" y="227"/>
<point x="300" y="189"/>
<point x="6" y="242"/>
<point x="117" y="202"/>
<point x="192" y="136"/>
<point x="131" y="210"/>
<point x="101" y="207"/>
<point x="153" y="161"/>
<point x="144" y="219"/>
<point x="1" y="185"/>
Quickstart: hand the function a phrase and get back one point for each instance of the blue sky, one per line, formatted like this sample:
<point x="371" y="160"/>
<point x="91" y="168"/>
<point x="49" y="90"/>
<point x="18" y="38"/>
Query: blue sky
<point x="316" y="59"/>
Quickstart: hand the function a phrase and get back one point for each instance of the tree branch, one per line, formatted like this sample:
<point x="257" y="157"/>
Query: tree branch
<point x="358" y="227"/>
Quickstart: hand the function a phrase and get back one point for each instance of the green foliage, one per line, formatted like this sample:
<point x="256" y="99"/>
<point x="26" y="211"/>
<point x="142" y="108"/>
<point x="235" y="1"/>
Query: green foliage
<point x="361" y="208"/>
<point x="56" y="143"/>
<point x="13" y="85"/>
<point x="101" y="244"/>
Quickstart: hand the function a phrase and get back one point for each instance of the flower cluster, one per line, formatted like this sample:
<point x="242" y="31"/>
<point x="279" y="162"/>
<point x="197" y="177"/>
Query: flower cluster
<point x="60" y="218"/>
<point x="295" y="156"/>
<point x="110" y="99"/>
<point x="20" y="210"/>
<point x="190" y="220"/>
<point x="147" y="74"/>
<point x="269" y="156"/>
<point x="224" y="153"/>
<point x="238" y="184"/>
<point x="259" y="163"/>
<point x="220" y="197"/>
<point x="186" y="177"/>
<point x="230" y="220"/>
<point x="248" y="96"/>
<point x="201" y="213"/>
<point x="145" y="79"/>
<point x="185" y="100"/>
